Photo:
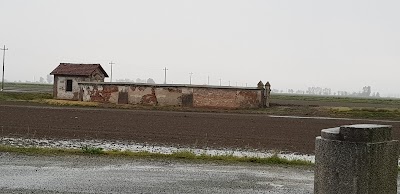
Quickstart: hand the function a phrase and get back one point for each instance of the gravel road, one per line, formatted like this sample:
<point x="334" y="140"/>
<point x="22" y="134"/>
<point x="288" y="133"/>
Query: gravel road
<point x="83" y="174"/>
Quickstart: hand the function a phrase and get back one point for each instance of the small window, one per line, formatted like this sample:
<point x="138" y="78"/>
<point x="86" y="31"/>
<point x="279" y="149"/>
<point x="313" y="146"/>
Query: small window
<point x="69" y="86"/>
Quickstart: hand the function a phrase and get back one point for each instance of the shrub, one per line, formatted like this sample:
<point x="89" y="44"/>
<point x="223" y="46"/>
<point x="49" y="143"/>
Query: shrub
<point x="92" y="150"/>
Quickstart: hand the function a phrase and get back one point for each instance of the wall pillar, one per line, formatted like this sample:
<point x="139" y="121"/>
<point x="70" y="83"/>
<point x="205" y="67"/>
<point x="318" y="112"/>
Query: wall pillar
<point x="356" y="159"/>
<point x="55" y="87"/>
<point x="267" y="94"/>
<point x="260" y="86"/>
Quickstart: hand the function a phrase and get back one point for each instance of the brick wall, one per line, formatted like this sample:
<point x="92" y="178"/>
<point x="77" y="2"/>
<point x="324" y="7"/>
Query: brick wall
<point x="171" y="95"/>
<point x="226" y="98"/>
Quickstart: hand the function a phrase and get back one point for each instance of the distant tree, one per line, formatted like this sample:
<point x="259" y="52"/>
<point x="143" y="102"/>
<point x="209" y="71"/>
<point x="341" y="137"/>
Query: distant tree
<point x="377" y="95"/>
<point x="124" y="80"/>
<point x="150" y="81"/>
<point x="366" y="91"/>
<point x="49" y="79"/>
<point x="41" y="80"/>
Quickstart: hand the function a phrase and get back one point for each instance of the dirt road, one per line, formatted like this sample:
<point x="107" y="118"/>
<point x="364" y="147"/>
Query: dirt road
<point x="83" y="174"/>
<point x="216" y="130"/>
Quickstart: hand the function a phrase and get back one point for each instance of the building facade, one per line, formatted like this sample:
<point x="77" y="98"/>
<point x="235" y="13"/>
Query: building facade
<point x="68" y="75"/>
<point x="85" y="82"/>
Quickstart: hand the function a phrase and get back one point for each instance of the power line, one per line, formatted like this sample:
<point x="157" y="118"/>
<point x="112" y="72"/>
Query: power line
<point x="4" y="56"/>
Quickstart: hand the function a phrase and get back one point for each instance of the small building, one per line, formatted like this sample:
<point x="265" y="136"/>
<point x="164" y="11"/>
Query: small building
<point x="67" y="76"/>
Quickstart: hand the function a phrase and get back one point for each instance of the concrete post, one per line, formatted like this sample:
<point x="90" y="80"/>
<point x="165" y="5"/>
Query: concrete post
<point x="267" y="94"/>
<point x="260" y="86"/>
<point x="356" y="159"/>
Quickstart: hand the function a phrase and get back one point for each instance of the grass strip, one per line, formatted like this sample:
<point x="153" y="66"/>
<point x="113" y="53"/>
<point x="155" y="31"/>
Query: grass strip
<point x="68" y="103"/>
<point x="180" y="155"/>
<point x="23" y="96"/>
<point x="368" y="113"/>
<point x="367" y="100"/>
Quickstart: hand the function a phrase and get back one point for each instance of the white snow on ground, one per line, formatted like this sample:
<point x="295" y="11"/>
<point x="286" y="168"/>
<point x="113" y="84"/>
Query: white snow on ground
<point x="135" y="147"/>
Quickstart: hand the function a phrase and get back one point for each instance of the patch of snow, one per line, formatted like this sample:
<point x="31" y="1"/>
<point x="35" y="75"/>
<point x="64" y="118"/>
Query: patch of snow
<point x="135" y="147"/>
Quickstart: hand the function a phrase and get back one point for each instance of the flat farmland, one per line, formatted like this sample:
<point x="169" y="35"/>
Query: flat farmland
<point x="186" y="129"/>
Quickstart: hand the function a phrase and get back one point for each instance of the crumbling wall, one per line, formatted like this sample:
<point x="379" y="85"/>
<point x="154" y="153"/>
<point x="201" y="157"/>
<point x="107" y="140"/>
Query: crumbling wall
<point x="61" y="84"/>
<point x="226" y="98"/>
<point x="97" y="76"/>
<point x="171" y="95"/>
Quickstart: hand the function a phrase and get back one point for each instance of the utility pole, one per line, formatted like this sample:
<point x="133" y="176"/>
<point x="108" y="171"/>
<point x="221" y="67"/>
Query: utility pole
<point x="165" y="75"/>
<point x="208" y="80"/>
<point x="220" y="82"/>
<point x="229" y="83"/>
<point x="191" y="73"/>
<point x="4" y="55"/>
<point x="111" y="63"/>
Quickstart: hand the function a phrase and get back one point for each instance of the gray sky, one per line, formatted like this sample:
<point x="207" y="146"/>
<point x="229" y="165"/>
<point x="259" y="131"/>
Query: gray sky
<point x="341" y="44"/>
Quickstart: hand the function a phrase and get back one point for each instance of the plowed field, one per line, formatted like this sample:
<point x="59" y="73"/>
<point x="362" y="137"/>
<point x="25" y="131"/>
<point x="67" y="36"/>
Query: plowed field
<point x="216" y="130"/>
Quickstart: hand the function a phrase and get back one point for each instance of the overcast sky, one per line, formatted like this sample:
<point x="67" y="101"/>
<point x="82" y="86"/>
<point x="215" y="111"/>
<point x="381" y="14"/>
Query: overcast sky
<point x="340" y="44"/>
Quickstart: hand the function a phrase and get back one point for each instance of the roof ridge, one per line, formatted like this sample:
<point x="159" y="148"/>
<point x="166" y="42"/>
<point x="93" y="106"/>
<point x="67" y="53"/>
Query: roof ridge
<point x="77" y="69"/>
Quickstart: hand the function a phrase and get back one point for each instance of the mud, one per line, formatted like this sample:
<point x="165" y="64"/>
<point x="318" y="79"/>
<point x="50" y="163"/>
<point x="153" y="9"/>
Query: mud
<point x="178" y="129"/>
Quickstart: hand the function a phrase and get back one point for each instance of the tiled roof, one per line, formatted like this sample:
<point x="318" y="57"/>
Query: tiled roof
<point x="77" y="69"/>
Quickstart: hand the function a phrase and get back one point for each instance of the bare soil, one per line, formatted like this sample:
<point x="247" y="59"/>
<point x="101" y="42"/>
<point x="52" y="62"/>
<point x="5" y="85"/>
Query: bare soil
<point x="193" y="129"/>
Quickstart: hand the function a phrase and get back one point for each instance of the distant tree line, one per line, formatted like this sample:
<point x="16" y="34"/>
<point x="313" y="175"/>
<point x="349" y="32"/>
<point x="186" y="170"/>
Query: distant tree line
<point x="138" y="80"/>
<point x="365" y="92"/>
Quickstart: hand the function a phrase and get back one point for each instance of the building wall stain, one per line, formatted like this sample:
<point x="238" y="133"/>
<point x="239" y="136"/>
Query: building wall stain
<point x="61" y="87"/>
<point x="180" y="95"/>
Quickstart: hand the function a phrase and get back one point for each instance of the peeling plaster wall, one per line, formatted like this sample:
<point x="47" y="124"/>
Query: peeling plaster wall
<point x="171" y="95"/>
<point x="61" y="84"/>
<point x="97" y="76"/>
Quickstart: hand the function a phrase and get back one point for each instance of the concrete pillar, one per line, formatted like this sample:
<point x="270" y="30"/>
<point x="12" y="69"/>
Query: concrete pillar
<point x="260" y="86"/>
<point x="356" y="159"/>
<point x="267" y="94"/>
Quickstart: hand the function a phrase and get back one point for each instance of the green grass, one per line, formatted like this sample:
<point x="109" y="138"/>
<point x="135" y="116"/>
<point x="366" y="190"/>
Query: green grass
<point x="369" y="113"/>
<point x="23" y="96"/>
<point x="28" y="86"/>
<point x="180" y="155"/>
<point x="388" y="101"/>
<point x="92" y="150"/>
<point x="69" y="103"/>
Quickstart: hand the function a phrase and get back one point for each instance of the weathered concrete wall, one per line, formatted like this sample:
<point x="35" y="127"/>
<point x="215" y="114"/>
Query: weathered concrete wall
<point x="356" y="159"/>
<point x="61" y="84"/>
<point x="171" y="95"/>
<point x="97" y="76"/>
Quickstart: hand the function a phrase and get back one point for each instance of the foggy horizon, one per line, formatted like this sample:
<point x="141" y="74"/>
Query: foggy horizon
<point x="340" y="45"/>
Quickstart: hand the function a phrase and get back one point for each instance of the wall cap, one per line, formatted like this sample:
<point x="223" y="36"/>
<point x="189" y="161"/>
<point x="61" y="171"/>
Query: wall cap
<point x="167" y="85"/>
